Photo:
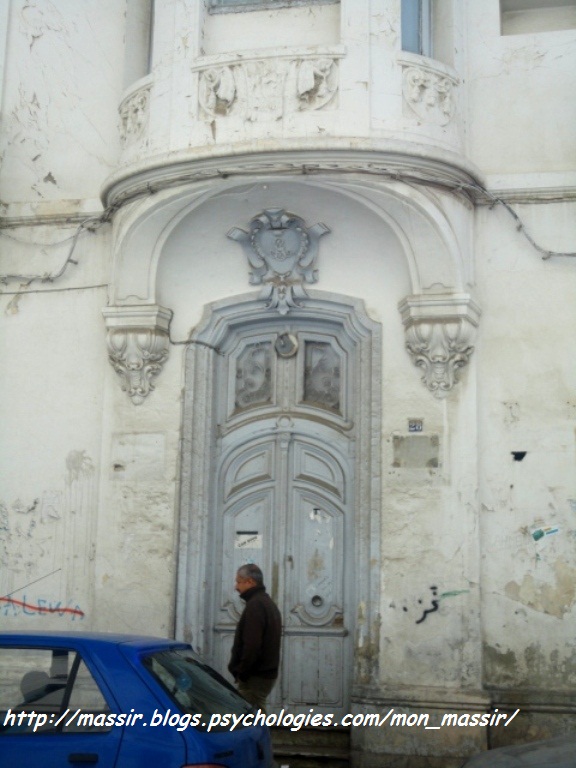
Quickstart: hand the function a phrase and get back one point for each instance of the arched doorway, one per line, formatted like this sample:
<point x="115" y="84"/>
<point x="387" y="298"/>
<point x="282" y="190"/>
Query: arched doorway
<point x="284" y="403"/>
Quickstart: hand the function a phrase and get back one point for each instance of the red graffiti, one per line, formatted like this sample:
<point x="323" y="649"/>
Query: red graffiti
<point x="32" y="609"/>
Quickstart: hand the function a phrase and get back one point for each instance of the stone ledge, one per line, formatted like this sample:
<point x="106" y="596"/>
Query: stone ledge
<point x="385" y="158"/>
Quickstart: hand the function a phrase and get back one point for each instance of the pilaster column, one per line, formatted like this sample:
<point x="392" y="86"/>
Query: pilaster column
<point x="138" y="345"/>
<point x="440" y="331"/>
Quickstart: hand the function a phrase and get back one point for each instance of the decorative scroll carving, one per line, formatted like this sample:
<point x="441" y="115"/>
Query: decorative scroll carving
<point x="253" y="375"/>
<point x="439" y="335"/>
<point x="137" y="356"/>
<point x="233" y="610"/>
<point x="138" y="343"/>
<point x="332" y="616"/>
<point x="440" y="349"/>
<point x="322" y="375"/>
<point x="281" y="252"/>
<point x="134" y="115"/>
<point x="267" y="88"/>
<point x="429" y="93"/>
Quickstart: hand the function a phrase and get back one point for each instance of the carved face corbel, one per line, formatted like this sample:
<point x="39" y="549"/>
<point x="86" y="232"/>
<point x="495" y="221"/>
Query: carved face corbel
<point x="440" y="331"/>
<point x="138" y="345"/>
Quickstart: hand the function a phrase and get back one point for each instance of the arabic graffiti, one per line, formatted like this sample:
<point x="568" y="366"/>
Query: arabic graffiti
<point x="435" y="601"/>
<point x="435" y="606"/>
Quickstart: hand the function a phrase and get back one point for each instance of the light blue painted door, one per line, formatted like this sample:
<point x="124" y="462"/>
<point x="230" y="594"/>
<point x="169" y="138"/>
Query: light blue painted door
<point x="283" y="490"/>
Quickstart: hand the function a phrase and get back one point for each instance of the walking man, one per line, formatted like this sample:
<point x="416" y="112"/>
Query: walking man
<point x="255" y="656"/>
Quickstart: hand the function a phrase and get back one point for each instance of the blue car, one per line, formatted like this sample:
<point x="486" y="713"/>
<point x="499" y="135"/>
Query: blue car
<point x="120" y="701"/>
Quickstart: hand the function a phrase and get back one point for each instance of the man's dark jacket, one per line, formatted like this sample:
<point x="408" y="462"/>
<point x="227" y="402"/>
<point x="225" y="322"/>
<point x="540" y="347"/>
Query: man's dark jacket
<point x="256" y="648"/>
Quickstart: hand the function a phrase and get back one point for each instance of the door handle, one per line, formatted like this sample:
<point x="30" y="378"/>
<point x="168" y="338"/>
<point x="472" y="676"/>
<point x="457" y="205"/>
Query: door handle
<point x="317" y="601"/>
<point x="82" y="757"/>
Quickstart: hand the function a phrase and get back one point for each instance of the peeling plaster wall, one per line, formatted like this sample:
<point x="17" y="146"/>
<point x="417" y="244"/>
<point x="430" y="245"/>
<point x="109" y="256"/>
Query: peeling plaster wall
<point x="63" y="80"/>
<point x="527" y="453"/>
<point x="51" y="405"/>
<point x="59" y="139"/>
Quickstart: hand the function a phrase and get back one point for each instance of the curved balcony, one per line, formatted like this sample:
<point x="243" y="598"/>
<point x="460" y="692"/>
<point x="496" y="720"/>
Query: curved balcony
<point x="212" y="114"/>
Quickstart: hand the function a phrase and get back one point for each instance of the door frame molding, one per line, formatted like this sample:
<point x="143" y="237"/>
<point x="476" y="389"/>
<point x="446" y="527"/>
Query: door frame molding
<point x="193" y="594"/>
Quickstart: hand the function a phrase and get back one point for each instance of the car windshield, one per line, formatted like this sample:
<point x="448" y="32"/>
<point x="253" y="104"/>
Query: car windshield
<point x="195" y="687"/>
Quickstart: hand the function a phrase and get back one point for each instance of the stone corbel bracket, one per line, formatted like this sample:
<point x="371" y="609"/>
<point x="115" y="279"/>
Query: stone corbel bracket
<point x="440" y="330"/>
<point x="138" y="344"/>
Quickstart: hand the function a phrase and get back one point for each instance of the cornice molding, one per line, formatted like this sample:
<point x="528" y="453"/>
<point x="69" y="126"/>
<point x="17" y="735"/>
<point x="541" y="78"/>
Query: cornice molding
<point x="529" y="195"/>
<point x="390" y="159"/>
<point x="137" y="316"/>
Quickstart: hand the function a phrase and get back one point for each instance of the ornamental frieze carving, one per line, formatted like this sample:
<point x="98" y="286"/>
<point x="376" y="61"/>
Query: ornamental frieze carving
<point x="429" y="93"/>
<point x="281" y="253"/>
<point x="440" y="332"/>
<point x="267" y="88"/>
<point x="134" y="115"/>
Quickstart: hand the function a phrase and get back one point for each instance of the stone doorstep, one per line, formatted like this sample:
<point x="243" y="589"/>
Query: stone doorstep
<point x="311" y="762"/>
<point x="311" y="747"/>
<point x="334" y="737"/>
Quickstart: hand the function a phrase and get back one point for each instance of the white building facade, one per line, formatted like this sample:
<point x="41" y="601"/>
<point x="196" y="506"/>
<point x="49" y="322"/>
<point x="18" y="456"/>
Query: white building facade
<point x="292" y="282"/>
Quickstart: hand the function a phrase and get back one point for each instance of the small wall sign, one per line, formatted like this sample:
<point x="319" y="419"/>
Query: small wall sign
<point x="248" y="540"/>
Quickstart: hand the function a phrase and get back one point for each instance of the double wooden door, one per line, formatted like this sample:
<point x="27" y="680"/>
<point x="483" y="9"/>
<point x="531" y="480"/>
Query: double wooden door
<point x="283" y="490"/>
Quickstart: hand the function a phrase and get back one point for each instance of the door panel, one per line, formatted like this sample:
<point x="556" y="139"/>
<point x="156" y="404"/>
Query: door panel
<point x="312" y="674"/>
<point x="318" y="467"/>
<point x="283" y="508"/>
<point x="315" y="590"/>
<point x="248" y="529"/>
<point x="252" y="465"/>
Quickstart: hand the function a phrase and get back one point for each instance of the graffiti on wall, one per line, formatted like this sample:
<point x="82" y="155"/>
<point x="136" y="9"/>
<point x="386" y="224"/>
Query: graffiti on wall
<point x="427" y="606"/>
<point x="10" y="606"/>
<point x="49" y="538"/>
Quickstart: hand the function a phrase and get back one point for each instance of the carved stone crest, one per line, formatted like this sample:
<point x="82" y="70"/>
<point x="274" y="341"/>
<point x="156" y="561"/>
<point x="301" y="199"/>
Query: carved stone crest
<point x="282" y="253"/>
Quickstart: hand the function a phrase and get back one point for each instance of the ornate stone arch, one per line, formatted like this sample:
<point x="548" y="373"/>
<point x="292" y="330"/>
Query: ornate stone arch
<point x="439" y="315"/>
<point x="224" y="318"/>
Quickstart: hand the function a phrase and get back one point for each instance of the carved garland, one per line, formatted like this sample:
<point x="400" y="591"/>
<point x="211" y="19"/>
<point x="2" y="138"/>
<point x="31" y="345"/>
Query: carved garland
<point x="134" y="115"/>
<point x="267" y="88"/>
<point x="429" y="93"/>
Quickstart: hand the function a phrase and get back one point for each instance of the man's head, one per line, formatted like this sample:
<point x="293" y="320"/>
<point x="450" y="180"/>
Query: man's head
<point x="248" y="576"/>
